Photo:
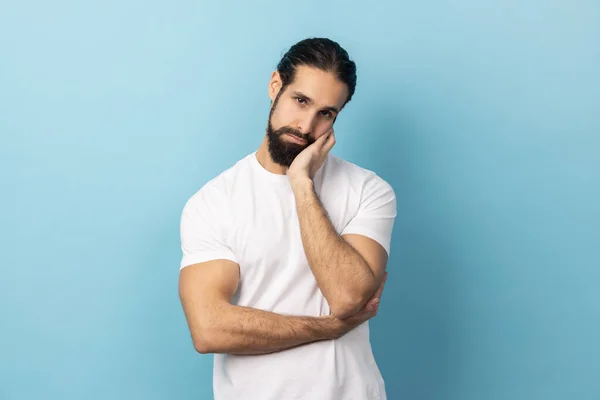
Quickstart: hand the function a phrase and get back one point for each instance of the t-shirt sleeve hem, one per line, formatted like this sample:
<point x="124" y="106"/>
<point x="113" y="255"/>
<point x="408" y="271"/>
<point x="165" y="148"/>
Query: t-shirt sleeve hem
<point x="379" y="238"/>
<point x="196" y="258"/>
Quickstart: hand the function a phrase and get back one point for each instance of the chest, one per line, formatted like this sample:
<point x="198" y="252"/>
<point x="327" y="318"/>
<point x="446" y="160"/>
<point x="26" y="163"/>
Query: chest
<point x="266" y="232"/>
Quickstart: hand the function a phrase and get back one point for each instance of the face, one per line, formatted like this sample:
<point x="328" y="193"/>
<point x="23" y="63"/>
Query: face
<point x="302" y="112"/>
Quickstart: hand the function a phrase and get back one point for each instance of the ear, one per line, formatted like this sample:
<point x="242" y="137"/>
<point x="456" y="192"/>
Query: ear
<point x="275" y="85"/>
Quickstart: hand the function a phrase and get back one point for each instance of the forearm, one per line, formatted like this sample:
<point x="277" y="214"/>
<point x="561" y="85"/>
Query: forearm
<point x="243" y="330"/>
<point x="343" y="275"/>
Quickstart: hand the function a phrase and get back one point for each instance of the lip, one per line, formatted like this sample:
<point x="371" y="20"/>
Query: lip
<point x="296" y="139"/>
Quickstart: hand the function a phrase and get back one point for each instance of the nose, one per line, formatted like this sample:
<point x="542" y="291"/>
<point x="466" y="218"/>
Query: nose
<point x="305" y="123"/>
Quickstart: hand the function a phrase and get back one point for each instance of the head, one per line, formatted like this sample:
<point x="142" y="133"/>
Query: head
<point x="313" y="82"/>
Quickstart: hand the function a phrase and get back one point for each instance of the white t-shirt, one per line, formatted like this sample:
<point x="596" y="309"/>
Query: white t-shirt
<point x="248" y="215"/>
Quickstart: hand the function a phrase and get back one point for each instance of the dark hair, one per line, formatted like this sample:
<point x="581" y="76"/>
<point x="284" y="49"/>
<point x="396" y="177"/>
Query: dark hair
<point x="321" y="53"/>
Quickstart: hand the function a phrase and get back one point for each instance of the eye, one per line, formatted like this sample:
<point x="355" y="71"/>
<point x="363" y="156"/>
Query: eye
<point x="327" y="114"/>
<point x="300" y="100"/>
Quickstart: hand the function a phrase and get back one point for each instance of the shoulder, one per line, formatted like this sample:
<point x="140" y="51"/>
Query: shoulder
<point x="362" y="178"/>
<point x="218" y="189"/>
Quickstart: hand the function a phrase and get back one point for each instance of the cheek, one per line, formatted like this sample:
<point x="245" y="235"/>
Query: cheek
<point x="284" y="115"/>
<point x="322" y="127"/>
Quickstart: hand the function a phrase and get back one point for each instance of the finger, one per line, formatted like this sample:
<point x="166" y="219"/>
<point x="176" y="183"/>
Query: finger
<point x="330" y="142"/>
<point x="368" y="308"/>
<point x="371" y="306"/>
<point x="324" y="142"/>
<point x="372" y="310"/>
<point x="379" y="291"/>
<point x="320" y="142"/>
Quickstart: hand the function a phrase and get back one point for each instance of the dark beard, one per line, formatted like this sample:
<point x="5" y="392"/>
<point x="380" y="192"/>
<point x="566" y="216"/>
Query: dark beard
<point x="282" y="152"/>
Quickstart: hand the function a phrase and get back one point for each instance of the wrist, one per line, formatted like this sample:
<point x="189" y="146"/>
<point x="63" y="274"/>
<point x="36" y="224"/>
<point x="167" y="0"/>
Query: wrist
<point x="301" y="185"/>
<point x="334" y="327"/>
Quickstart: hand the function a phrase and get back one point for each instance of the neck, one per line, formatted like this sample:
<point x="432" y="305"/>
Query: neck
<point x="264" y="158"/>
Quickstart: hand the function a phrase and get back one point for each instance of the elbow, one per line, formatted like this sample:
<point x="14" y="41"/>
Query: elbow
<point x="351" y="302"/>
<point x="347" y="307"/>
<point x="208" y="334"/>
<point x="205" y="340"/>
<point x="202" y="344"/>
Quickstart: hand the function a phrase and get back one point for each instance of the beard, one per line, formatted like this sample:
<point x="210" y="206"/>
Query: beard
<point x="283" y="152"/>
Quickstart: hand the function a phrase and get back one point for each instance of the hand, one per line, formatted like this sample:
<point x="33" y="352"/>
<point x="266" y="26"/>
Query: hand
<point x="308" y="162"/>
<point x="368" y="311"/>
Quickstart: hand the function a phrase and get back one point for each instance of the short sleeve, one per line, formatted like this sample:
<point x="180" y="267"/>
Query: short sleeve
<point x="376" y="213"/>
<point x="203" y="228"/>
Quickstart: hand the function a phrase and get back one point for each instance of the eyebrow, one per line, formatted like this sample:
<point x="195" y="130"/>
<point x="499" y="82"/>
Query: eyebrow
<point x="309" y="100"/>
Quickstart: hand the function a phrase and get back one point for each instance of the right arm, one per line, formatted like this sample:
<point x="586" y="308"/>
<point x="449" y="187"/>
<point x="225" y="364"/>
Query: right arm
<point x="217" y="326"/>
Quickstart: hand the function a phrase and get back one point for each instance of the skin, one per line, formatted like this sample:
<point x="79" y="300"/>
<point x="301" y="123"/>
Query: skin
<point x="313" y="117"/>
<point x="349" y="270"/>
<point x="217" y="326"/>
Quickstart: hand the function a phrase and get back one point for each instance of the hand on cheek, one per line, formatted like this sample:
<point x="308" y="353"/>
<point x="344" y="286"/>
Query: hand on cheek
<point x="308" y="162"/>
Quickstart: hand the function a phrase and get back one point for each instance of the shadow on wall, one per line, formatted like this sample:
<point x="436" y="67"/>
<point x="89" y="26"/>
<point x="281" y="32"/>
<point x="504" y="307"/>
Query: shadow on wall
<point x="415" y="336"/>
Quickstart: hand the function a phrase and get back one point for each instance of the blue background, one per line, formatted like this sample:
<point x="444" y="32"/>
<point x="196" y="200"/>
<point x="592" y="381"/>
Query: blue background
<point x="482" y="115"/>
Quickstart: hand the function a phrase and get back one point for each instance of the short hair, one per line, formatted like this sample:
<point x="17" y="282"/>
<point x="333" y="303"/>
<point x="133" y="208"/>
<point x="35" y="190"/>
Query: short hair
<point x="321" y="53"/>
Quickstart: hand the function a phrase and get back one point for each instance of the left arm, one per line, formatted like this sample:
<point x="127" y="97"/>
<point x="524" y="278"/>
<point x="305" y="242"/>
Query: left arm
<point x="348" y="268"/>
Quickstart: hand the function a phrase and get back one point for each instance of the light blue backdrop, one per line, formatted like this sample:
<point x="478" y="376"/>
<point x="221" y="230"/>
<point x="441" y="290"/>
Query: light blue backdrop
<point x="482" y="115"/>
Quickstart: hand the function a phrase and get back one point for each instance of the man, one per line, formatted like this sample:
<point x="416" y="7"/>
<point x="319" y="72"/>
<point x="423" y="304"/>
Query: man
<point x="284" y="253"/>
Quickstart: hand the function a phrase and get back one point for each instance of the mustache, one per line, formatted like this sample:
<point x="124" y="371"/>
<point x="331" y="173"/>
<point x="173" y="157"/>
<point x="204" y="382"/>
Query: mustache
<point x="292" y="131"/>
